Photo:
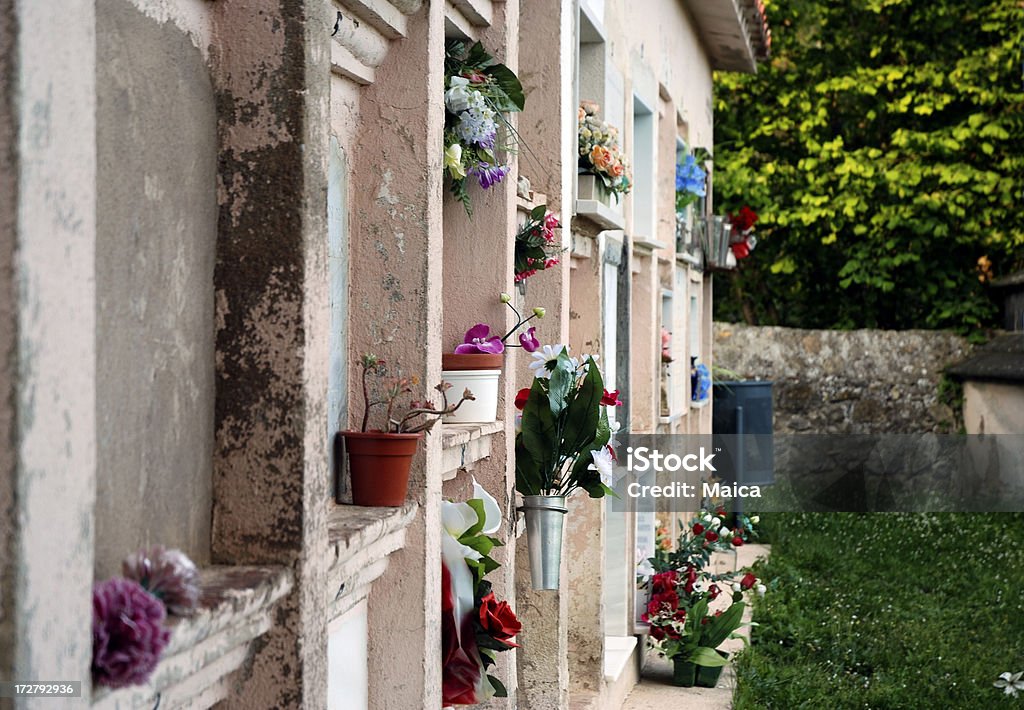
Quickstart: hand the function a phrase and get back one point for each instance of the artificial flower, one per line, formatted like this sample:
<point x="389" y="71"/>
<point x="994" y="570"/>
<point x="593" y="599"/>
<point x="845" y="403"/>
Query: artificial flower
<point x="453" y="161"/>
<point x="521" y="397"/>
<point x="169" y="575"/>
<point x="456" y="98"/>
<point x="488" y="174"/>
<point x="544" y="360"/>
<point x="529" y="340"/>
<point x="478" y="339"/>
<point x="698" y="528"/>
<point x="748" y="581"/>
<point x="604" y="464"/>
<point x="128" y="633"/>
<point x="691" y="178"/>
<point x="611" y="399"/>
<point x="1010" y="683"/>
<point x="498" y="620"/>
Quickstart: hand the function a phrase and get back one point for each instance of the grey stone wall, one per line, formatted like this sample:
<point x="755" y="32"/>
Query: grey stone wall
<point x="155" y="246"/>
<point x="851" y="382"/>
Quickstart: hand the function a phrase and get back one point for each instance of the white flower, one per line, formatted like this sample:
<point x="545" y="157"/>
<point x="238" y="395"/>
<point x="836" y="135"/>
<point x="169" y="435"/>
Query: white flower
<point x="760" y="589"/>
<point x="1011" y="683"/>
<point x="724" y="532"/>
<point x="756" y="519"/>
<point x="457" y="518"/>
<point x="736" y="587"/>
<point x="492" y="513"/>
<point x="715" y="521"/>
<point x="544" y="357"/>
<point x="456" y="99"/>
<point x="603" y="464"/>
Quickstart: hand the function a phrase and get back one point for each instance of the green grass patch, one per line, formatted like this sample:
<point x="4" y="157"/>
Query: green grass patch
<point x="886" y="610"/>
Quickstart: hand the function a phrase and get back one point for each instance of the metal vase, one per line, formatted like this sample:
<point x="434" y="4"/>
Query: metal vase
<point x="545" y="516"/>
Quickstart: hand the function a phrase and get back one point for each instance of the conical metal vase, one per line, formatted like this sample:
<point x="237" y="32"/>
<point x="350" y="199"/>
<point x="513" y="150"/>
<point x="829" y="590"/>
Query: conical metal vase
<point x="545" y="516"/>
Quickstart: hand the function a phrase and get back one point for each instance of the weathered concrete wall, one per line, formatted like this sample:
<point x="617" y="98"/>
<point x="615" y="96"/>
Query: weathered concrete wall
<point x="993" y="407"/>
<point x="156" y="236"/>
<point x="852" y="382"/>
<point x="8" y="335"/>
<point x="47" y="346"/>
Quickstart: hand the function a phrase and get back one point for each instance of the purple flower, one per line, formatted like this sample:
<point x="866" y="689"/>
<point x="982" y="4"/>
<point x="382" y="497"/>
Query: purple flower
<point x="479" y="340"/>
<point x="489" y="174"/>
<point x="128" y="633"/>
<point x="529" y="340"/>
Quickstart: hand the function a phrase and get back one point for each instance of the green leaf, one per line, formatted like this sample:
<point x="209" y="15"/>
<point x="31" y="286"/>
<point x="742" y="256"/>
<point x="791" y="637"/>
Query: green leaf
<point x="561" y="383"/>
<point x="707" y="657"/>
<point x="499" y="688"/>
<point x="508" y="82"/>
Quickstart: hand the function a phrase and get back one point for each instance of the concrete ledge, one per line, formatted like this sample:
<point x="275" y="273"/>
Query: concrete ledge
<point x="465" y="444"/>
<point x="600" y="214"/>
<point x="235" y="609"/>
<point x="361" y="538"/>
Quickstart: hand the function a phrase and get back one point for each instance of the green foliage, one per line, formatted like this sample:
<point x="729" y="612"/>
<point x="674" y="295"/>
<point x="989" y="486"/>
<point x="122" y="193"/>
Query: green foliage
<point x="886" y="610"/>
<point x="883" y="148"/>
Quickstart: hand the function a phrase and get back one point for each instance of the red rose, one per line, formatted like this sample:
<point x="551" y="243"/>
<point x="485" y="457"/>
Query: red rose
<point x="713" y="592"/>
<point x="741" y="250"/>
<point x="611" y="399"/>
<point x="698" y="528"/>
<point x="720" y="512"/>
<point x="748" y="581"/>
<point x="737" y="541"/>
<point x="712" y="536"/>
<point x="657" y="633"/>
<point x="660" y="601"/>
<point x="498" y="619"/>
<point x="521" y="397"/>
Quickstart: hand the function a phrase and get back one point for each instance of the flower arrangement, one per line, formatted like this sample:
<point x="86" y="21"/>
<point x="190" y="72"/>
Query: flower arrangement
<point x="536" y="247"/>
<point x="418" y="416"/>
<point x="691" y="179"/>
<point x="743" y="241"/>
<point x="479" y="340"/>
<point x="478" y="92"/>
<point x="129" y="614"/>
<point x="683" y="626"/>
<point x="475" y="625"/>
<point x="565" y="440"/>
<point x="599" y="151"/>
<point x="700" y="380"/>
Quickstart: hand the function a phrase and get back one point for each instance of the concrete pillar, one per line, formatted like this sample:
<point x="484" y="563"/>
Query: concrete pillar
<point x="47" y="345"/>
<point x="397" y="252"/>
<point x="271" y="479"/>
<point x="548" y="125"/>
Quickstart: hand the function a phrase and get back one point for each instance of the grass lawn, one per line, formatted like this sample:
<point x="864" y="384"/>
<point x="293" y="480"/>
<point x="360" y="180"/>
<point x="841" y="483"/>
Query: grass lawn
<point x="887" y="610"/>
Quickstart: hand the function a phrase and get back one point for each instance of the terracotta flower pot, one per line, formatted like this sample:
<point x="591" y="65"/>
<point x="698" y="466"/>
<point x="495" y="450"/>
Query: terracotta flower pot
<point x="472" y="361"/>
<point x="379" y="466"/>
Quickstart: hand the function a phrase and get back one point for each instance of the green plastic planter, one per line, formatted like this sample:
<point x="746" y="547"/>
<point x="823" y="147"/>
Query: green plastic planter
<point x="707" y="676"/>
<point x="684" y="673"/>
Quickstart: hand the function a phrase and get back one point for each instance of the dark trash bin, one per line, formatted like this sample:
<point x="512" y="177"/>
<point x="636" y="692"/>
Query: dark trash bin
<point x="741" y="426"/>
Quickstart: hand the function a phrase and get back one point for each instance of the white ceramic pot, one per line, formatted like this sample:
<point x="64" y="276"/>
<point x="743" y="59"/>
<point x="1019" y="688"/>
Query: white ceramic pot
<point x="484" y="386"/>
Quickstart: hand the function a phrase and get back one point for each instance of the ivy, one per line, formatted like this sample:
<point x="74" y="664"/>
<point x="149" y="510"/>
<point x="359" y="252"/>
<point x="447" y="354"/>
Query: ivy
<point x="883" y="148"/>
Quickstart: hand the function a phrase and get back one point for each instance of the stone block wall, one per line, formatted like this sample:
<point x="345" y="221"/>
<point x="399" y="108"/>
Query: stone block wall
<point x="849" y="382"/>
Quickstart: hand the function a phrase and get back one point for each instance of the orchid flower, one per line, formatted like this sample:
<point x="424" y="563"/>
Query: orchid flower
<point x="453" y="161"/>
<point x="479" y="340"/>
<point x="529" y="340"/>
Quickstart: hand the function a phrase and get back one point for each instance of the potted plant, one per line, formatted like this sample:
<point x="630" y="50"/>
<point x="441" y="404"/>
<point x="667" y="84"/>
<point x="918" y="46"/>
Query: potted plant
<point x="479" y="91"/>
<point x="477" y="361"/>
<point x="603" y="169"/>
<point x="379" y="459"/>
<point x="563" y="445"/>
<point x="683" y="626"/>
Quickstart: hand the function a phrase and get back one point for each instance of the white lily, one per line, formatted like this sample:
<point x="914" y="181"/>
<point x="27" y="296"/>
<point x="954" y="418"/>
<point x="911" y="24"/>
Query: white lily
<point x="492" y="513"/>
<point x="604" y="464"/>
